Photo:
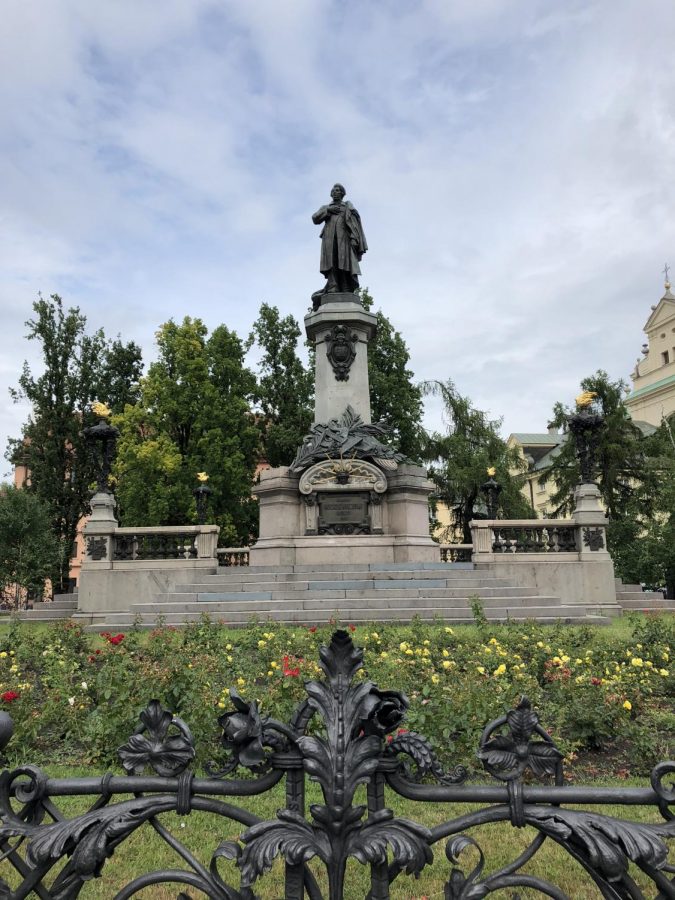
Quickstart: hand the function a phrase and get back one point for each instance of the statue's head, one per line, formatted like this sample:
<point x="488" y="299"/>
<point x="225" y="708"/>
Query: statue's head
<point x="338" y="192"/>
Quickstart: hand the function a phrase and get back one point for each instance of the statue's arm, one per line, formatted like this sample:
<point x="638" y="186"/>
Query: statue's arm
<point x="320" y="215"/>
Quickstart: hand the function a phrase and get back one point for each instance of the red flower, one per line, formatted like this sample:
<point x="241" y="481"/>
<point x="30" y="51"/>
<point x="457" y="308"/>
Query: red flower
<point x="117" y="639"/>
<point x="9" y="696"/>
<point x="402" y="731"/>
<point x="312" y="629"/>
<point x="289" y="670"/>
<point x="352" y="627"/>
<point x="595" y="680"/>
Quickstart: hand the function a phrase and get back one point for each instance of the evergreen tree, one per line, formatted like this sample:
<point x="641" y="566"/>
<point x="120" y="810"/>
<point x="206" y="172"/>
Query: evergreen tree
<point x="460" y="459"/>
<point x="394" y="397"/>
<point x="78" y="368"/>
<point x="193" y="415"/>
<point x="29" y="550"/>
<point x="285" y="389"/>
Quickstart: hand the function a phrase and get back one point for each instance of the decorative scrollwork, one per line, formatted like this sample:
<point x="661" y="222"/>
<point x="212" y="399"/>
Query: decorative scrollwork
<point x="594" y="538"/>
<point x="341" y="350"/>
<point x="508" y="756"/>
<point x="151" y="744"/>
<point x="427" y="765"/>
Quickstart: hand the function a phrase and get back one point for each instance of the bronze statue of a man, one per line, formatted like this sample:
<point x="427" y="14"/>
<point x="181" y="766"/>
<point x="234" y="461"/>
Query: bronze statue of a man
<point x="343" y="243"/>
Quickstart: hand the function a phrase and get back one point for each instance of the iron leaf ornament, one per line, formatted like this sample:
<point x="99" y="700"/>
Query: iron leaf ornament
<point x="508" y="756"/>
<point x="357" y="717"/>
<point x="152" y="744"/>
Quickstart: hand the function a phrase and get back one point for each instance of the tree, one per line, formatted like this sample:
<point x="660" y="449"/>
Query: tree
<point x="193" y="415"/>
<point x="78" y="368"/>
<point x="285" y="388"/>
<point x="642" y="540"/>
<point x="29" y="550"/>
<point x="622" y="477"/>
<point x="461" y="457"/>
<point x="394" y="397"/>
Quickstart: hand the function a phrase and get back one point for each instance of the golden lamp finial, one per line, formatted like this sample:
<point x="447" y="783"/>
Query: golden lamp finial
<point x="203" y="477"/>
<point x="100" y="409"/>
<point x="583" y="401"/>
<point x="491" y="471"/>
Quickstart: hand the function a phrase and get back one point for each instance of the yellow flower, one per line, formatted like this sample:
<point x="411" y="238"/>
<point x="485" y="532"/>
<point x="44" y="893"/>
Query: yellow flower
<point x="493" y="640"/>
<point x="637" y="662"/>
<point x="447" y="664"/>
<point x="384" y="655"/>
<point x="262" y="644"/>
<point x="275" y="665"/>
<point x="374" y="634"/>
<point x="540" y="644"/>
<point x="445" y="653"/>
<point x="228" y="646"/>
<point x="426" y="643"/>
<point x="627" y="704"/>
<point x="270" y="672"/>
<point x="241" y="682"/>
<point x="221" y="705"/>
<point x="409" y="652"/>
<point x="426" y="652"/>
<point x="3" y="654"/>
<point x="500" y="670"/>
<point x="403" y="645"/>
<point x="480" y="670"/>
<point x="449" y="630"/>
<point x="663" y="672"/>
<point x="229" y="659"/>
<point x="435" y="678"/>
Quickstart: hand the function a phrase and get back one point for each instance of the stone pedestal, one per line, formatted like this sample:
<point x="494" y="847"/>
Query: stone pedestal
<point x="340" y="330"/>
<point x="399" y="523"/>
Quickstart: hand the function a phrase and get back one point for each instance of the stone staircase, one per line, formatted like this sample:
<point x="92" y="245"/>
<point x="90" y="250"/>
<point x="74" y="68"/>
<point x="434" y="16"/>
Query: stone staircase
<point x="631" y="597"/>
<point x="63" y="606"/>
<point x="355" y="593"/>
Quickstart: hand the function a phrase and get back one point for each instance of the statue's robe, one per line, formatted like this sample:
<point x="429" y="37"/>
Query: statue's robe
<point x="336" y="236"/>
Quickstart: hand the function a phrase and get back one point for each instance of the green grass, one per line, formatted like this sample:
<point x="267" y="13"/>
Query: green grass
<point x="201" y="833"/>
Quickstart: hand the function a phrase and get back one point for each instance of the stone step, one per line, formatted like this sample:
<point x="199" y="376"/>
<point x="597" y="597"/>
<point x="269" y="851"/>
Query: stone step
<point x="56" y="604"/>
<point x="44" y="615"/>
<point x="217" y="608"/>
<point x="648" y="605"/>
<point x="323" y="587"/>
<point x="351" y="567"/>
<point x="379" y="596"/>
<point x="567" y="614"/>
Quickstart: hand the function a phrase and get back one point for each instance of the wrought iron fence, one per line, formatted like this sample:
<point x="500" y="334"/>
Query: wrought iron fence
<point x="344" y="735"/>
<point x="158" y="545"/>
<point x="534" y="538"/>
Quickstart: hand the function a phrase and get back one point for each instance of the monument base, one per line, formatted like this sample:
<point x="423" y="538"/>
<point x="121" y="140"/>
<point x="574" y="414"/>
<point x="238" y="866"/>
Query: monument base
<point x="402" y="523"/>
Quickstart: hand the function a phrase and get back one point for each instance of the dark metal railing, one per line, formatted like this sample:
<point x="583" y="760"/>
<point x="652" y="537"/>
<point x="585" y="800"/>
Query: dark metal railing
<point x="534" y="539"/>
<point x="159" y="545"/>
<point x="344" y="735"/>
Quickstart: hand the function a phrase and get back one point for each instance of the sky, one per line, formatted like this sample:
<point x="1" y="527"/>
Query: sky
<point x="513" y="162"/>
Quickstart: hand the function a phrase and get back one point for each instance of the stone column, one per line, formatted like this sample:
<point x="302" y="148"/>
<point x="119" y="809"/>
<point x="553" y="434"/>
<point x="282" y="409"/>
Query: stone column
<point x="591" y="520"/>
<point x="340" y="330"/>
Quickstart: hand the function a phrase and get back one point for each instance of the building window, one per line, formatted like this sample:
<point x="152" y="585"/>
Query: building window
<point x="665" y="358"/>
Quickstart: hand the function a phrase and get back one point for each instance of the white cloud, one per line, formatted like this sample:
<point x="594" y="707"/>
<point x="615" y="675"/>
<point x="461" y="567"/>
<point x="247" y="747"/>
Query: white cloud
<point x="512" y="164"/>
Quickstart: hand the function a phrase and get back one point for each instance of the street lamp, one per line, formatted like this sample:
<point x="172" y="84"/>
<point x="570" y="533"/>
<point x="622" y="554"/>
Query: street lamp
<point x="201" y="495"/>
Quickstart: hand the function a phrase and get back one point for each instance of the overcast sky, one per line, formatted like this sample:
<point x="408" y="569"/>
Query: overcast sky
<point x="513" y="162"/>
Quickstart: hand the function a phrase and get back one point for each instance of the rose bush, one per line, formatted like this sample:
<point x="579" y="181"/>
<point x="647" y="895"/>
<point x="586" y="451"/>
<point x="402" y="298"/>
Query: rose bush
<point x="75" y="697"/>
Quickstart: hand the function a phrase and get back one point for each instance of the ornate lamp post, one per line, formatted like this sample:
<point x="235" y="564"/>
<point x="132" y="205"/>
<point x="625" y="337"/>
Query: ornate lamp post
<point x="107" y="434"/>
<point x="585" y="426"/>
<point x="491" y="489"/>
<point x="201" y="495"/>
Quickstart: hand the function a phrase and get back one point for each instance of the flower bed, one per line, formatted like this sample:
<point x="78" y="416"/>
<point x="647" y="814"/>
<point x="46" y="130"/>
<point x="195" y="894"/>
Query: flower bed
<point x="608" y="700"/>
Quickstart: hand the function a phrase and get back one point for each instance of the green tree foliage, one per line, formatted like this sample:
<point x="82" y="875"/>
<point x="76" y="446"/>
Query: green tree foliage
<point x="394" y="397"/>
<point x="642" y="541"/>
<point x="29" y="550"/>
<point x="284" y="394"/>
<point x="193" y="415"/>
<point x="622" y="476"/>
<point x="77" y="368"/>
<point x="460" y="459"/>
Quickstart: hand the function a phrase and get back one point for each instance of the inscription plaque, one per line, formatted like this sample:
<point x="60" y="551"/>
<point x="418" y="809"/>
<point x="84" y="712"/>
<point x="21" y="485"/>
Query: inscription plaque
<point x="344" y="513"/>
